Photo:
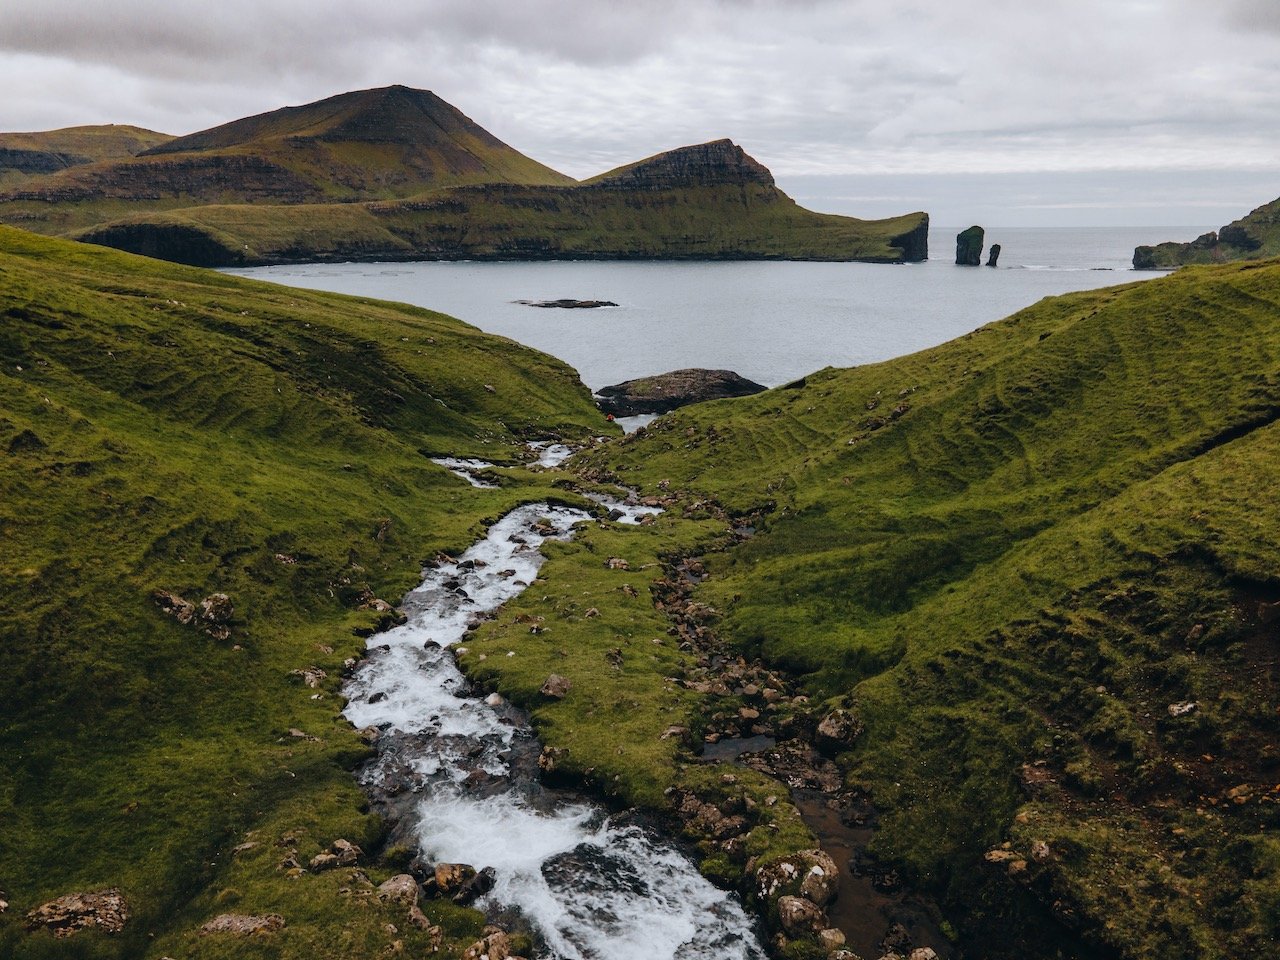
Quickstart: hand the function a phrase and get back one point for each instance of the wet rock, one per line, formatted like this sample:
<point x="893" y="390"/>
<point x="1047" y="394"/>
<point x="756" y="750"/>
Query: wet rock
<point x="830" y="939"/>
<point x="800" y="917"/>
<point x="896" y="940"/>
<point x="452" y="877"/>
<point x="668" y="391"/>
<point x="401" y="888"/>
<point x="822" y="881"/>
<point x="969" y="247"/>
<point x="103" y="910"/>
<point x="994" y="255"/>
<point x="837" y="731"/>
<point x="556" y="687"/>
<point x="244" y="925"/>
<point x="568" y="304"/>
<point x="476" y="887"/>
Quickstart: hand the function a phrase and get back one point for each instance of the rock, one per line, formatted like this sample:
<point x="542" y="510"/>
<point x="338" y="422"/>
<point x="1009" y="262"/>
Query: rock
<point x="311" y="676"/>
<point x="830" y="939"/>
<point x="419" y="919"/>
<point x="347" y="852"/>
<point x="617" y="563"/>
<point x="1183" y="708"/>
<point x="216" y="609"/>
<point x="452" y="877"/>
<point x="800" y="917"/>
<point x="103" y="910"/>
<point x="183" y="611"/>
<point x="323" y="861"/>
<point x="837" y="731"/>
<point x="568" y="304"/>
<point x="244" y="925"/>
<point x="822" y="881"/>
<point x="476" y="887"/>
<point x="667" y="391"/>
<point x="994" y="255"/>
<point x="923" y="953"/>
<point x="811" y="874"/>
<point x="556" y="687"/>
<point x="969" y="247"/>
<point x="495" y="946"/>
<point x="401" y="888"/>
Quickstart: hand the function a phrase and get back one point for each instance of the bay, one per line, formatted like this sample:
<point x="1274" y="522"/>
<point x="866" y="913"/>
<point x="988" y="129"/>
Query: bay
<point x="771" y="321"/>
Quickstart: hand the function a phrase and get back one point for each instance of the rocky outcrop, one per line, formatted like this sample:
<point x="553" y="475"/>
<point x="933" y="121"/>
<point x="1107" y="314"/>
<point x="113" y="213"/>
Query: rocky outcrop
<point x="568" y="304"/>
<point x="668" y="391"/>
<point x="1251" y="237"/>
<point x="915" y="242"/>
<point x="104" y="910"/>
<point x="243" y="924"/>
<point x="994" y="255"/>
<point x="717" y="163"/>
<point x="969" y="247"/>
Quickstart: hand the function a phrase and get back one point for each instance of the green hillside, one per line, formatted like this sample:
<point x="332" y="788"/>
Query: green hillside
<point x="1039" y="564"/>
<point x="1255" y="236"/>
<point x="709" y="201"/>
<point x="169" y="429"/>
<point x="27" y="155"/>
<point x="368" y="144"/>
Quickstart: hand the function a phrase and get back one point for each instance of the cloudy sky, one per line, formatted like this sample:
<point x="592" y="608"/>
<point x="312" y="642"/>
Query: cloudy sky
<point x="1011" y="112"/>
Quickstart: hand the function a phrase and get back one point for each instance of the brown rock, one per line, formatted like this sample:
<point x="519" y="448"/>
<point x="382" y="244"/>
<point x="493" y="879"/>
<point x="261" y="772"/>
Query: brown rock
<point x="830" y="939"/>
<point x="216" y="608"/>
<point x="103" y="910"/>
<point x="617" y="563"/>
<point x="244" y="925"/>
<point x="837" y="731"/>
<point x="311" y="676"/>
<point x="183" y="611"/>
<point x="800" y="917"/>
<point x="401" y="888"/>
<point x="452" y="877"/>
<point x="556" y="687"/>
<point x="323" y="861"/>
<point x="495" y="946"/>
<point x="822" y="881"/>
<point x="346" y="851"/>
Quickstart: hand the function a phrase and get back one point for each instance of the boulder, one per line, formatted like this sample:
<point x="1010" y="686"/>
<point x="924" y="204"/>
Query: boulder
<point x="837" y="731"/>
<point x="494" y="946"/>
<point x="969" y="247"/>
<point x="216" y="608"/>
<point x="103" y="910"/>
<point x="822" y="882"/>
<point x="994" y="255"/>
<point x="244" y="925"/>
<point x="183" y="611"/>
<point x="556" y="687"/>
<point x="401" y="888"/>
<point x="810" y="874"/>
<point x="830" y="939"/>
<point x="800" y="917"/>
<point x="452" y="877"/>
<point x="476" y="887"/>
<point x="667" y="391"/>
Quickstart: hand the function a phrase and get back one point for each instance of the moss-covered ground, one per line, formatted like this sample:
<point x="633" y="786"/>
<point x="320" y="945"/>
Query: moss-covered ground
<point x="163" y="428"/>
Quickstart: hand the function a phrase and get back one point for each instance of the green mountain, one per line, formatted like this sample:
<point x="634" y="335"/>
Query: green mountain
<point x="397" y="173"/>
<point x="709" y="201"/>
<point x="1255" y="236"/>
<point x="168" y="429"/>
<point x="369" y="144"/>
<point x="1036" y="567"/>
<point x="27" y="155"/>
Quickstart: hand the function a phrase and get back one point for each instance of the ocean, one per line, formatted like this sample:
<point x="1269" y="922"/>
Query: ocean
<point x="769" y="321"/>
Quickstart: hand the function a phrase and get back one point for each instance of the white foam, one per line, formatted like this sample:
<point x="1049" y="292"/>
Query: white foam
<point x="550" y="454"/>
<point x="466" y="469"/>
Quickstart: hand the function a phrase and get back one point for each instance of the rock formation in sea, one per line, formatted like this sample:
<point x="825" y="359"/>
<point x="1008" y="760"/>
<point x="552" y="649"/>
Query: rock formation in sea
<point x="994" y="255"/>
<point x="668" y="391"/>
<point x="969" y="247"/>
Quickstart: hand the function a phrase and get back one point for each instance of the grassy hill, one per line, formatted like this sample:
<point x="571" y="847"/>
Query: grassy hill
<point x="709" y="201"/>
<point x="1255" y="236"/>
<point x="27" y="155"/>
<point x="1039" y="564"/>
<point x="368" y="144"/>
<point x="169" y="429"/>
<point x="396" y="173"/>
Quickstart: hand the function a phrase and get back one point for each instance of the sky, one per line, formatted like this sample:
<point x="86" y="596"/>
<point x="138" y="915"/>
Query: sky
<point x="1010" y="112"/>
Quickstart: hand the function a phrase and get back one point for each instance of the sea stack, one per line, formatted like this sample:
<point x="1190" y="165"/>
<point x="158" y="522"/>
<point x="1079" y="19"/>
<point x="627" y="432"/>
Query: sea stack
<point x="969" y="247"/>
<point x="994" y="255"/>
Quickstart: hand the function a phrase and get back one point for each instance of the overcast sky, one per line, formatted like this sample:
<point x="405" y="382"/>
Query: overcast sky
<point x="1013" y="111"/>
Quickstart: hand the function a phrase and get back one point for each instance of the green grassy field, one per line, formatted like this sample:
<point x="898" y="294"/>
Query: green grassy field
<point x="173" y="429"/>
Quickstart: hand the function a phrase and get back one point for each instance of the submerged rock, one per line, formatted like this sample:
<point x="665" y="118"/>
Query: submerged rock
<point x="969" y="247"/>
<point x="667" y="391"/>
<point x="103" y="910"/>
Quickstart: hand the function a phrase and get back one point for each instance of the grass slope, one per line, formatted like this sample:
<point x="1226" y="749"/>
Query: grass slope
<point x="26" y="155"/>
<point x="1255" y="236"/>
<point x="1012" y="555"/>
<point x="169" y="428"/>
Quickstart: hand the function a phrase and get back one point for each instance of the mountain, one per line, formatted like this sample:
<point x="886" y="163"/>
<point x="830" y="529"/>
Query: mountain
<point x="709" y="201"/>
<point x="1255" y="236"/>
<point x="369" y="144"/>
<point x="169" y="431"/>
<point x="27" y="155"/>
<point x="399" y="173"/>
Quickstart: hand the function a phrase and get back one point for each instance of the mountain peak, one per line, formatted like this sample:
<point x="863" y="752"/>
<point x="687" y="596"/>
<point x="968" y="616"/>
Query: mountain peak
<point x="716" y="163"/>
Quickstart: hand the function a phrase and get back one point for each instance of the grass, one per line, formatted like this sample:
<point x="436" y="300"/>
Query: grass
<point x="168" y="428"/>
<point x="1255" y="236"/>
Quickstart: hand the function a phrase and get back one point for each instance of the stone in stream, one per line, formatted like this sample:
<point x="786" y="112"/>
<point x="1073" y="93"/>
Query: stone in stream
<point x="969" y="247"/>
<point x="667" y="391"/>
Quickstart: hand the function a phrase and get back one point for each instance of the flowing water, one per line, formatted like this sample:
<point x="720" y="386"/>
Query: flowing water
<point x="589" y="884"/>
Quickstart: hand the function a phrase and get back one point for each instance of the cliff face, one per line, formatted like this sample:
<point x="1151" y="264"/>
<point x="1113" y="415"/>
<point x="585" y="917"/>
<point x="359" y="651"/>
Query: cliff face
<point x="718" y="163"/>
<point x="26" y="155"/>
<point x="1252" y="237"/>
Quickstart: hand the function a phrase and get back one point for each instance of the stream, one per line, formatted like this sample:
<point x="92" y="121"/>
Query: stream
<point x="459" y="771"/>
